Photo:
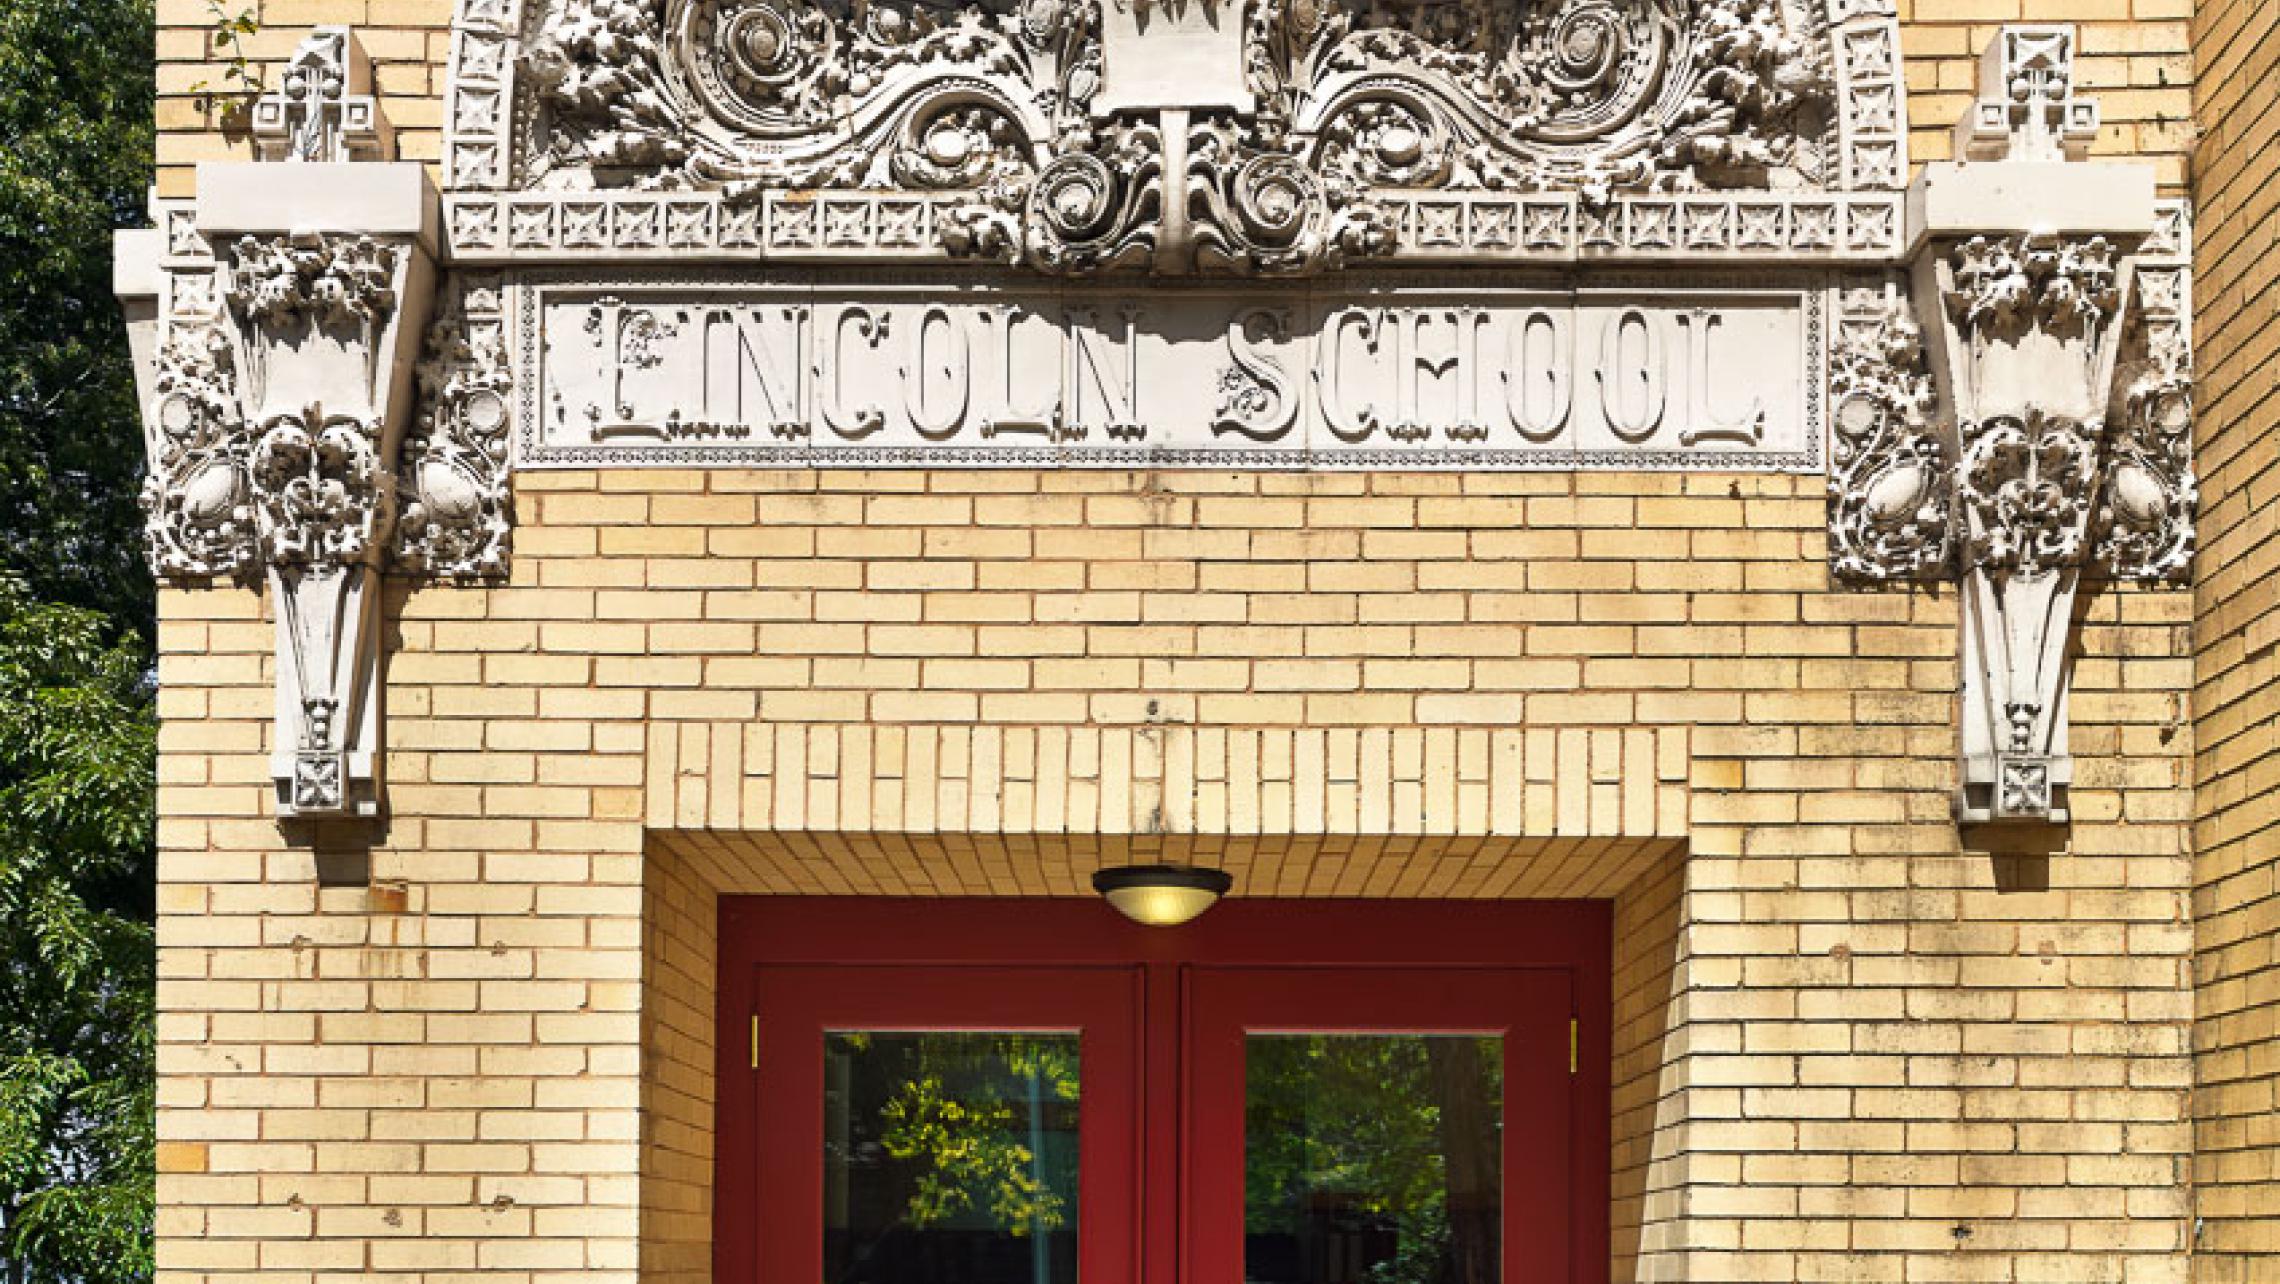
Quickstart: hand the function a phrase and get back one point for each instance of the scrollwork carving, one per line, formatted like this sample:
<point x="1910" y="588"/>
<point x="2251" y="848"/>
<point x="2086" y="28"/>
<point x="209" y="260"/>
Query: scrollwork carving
<point x="2144" y="520"/>
<point x="753" y="94"/>
<point x="1888" y="491"/>
<point x="1579" y="95"/>
<point x="452" y="473"/>
<point x="197" y="499"/>
<point x="1240" y="211"/>
<point x="993" y="102"/>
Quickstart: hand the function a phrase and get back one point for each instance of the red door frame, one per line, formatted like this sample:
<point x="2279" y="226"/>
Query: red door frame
<point x="805" y="1001"/>
<point x="947" y="934"/>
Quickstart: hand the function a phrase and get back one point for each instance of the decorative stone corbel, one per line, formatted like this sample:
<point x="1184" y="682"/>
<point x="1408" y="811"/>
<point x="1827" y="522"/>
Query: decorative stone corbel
<point x="2059" y="439"/>
<point x="286" y="309"/>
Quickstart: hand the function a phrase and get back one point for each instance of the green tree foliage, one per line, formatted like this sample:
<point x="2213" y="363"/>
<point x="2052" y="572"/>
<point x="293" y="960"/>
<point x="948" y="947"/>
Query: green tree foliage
<point x="76" y="84"/>
<point x="77" y="744"/>
<point x="1394" y="1138"/>
<point x="76" y="739"/>
<point x="957" y="1121"/>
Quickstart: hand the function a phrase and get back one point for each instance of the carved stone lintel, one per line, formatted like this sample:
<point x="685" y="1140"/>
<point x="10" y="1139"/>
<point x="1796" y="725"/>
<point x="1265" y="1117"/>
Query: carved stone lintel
<point x="277" y="383"/>
<point x="1275" y="137"/>
<point x="2063" y="418"/>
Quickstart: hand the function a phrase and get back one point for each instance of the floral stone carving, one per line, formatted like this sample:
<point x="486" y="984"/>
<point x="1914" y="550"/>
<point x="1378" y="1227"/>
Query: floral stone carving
<point x="312" y="313"/>
<point x="198" y="498"/>
<point x="453" y="470"/>
<point x="1889" y="470"/>
<point x="1075" y="139"/>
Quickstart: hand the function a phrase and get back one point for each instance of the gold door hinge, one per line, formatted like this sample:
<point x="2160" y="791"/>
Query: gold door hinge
<point x="755" y="1040"/>
<point x="1573" y="1048"/>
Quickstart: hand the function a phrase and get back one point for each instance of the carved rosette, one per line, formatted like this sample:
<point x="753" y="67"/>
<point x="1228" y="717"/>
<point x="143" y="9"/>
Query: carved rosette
<point x="1889" y="481"/>
<point x="453" y="470"/>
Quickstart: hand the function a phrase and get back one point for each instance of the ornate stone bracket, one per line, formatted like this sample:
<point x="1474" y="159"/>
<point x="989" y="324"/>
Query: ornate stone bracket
<point x="276" y="319"/>
<point x="2042" y="431"/>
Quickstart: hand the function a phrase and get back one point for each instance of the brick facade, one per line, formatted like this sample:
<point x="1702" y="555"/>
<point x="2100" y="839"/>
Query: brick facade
<point x="2236" y="904"/>
<point x="475" y="1042"/>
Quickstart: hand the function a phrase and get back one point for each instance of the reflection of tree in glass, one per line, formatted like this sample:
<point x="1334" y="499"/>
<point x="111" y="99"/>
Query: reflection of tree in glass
<point x="961" y="1115"/>
<point x="1372" y="1159"/>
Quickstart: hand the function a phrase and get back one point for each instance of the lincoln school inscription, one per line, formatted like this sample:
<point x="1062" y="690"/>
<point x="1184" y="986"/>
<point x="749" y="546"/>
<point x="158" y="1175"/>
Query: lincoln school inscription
<point x="1399" y="372"/>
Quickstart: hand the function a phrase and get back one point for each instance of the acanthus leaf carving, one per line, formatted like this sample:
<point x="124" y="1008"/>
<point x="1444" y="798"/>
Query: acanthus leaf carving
<point x="315" y="281"/>
<point x="2026" y="482"/>
<point x="1889" y="486"/>
<point x="2006" y="286"/>
<point x="322" y="497"/>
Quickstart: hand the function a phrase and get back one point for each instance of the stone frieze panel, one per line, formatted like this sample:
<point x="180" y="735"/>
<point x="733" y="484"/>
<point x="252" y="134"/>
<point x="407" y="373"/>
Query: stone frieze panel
<point x="1413" y="373"/>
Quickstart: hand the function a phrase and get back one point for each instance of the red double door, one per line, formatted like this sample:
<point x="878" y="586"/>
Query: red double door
<point x="1282" y="1092"/>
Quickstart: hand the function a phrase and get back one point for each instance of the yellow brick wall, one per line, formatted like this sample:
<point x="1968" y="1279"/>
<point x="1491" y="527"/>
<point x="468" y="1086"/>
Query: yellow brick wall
<point x="1873" y="1039"/>
<point x="2237" y="767"/>
<point x="474" y="1041"/>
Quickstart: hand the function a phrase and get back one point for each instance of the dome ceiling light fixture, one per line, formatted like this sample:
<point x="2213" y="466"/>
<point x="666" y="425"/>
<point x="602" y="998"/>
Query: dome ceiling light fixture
<point x="1161" y="895"/>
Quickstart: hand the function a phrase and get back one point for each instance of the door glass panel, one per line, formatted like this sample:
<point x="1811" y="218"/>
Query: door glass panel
<point x="950" y="1158"/>
<point x="1372" y="1159"/>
